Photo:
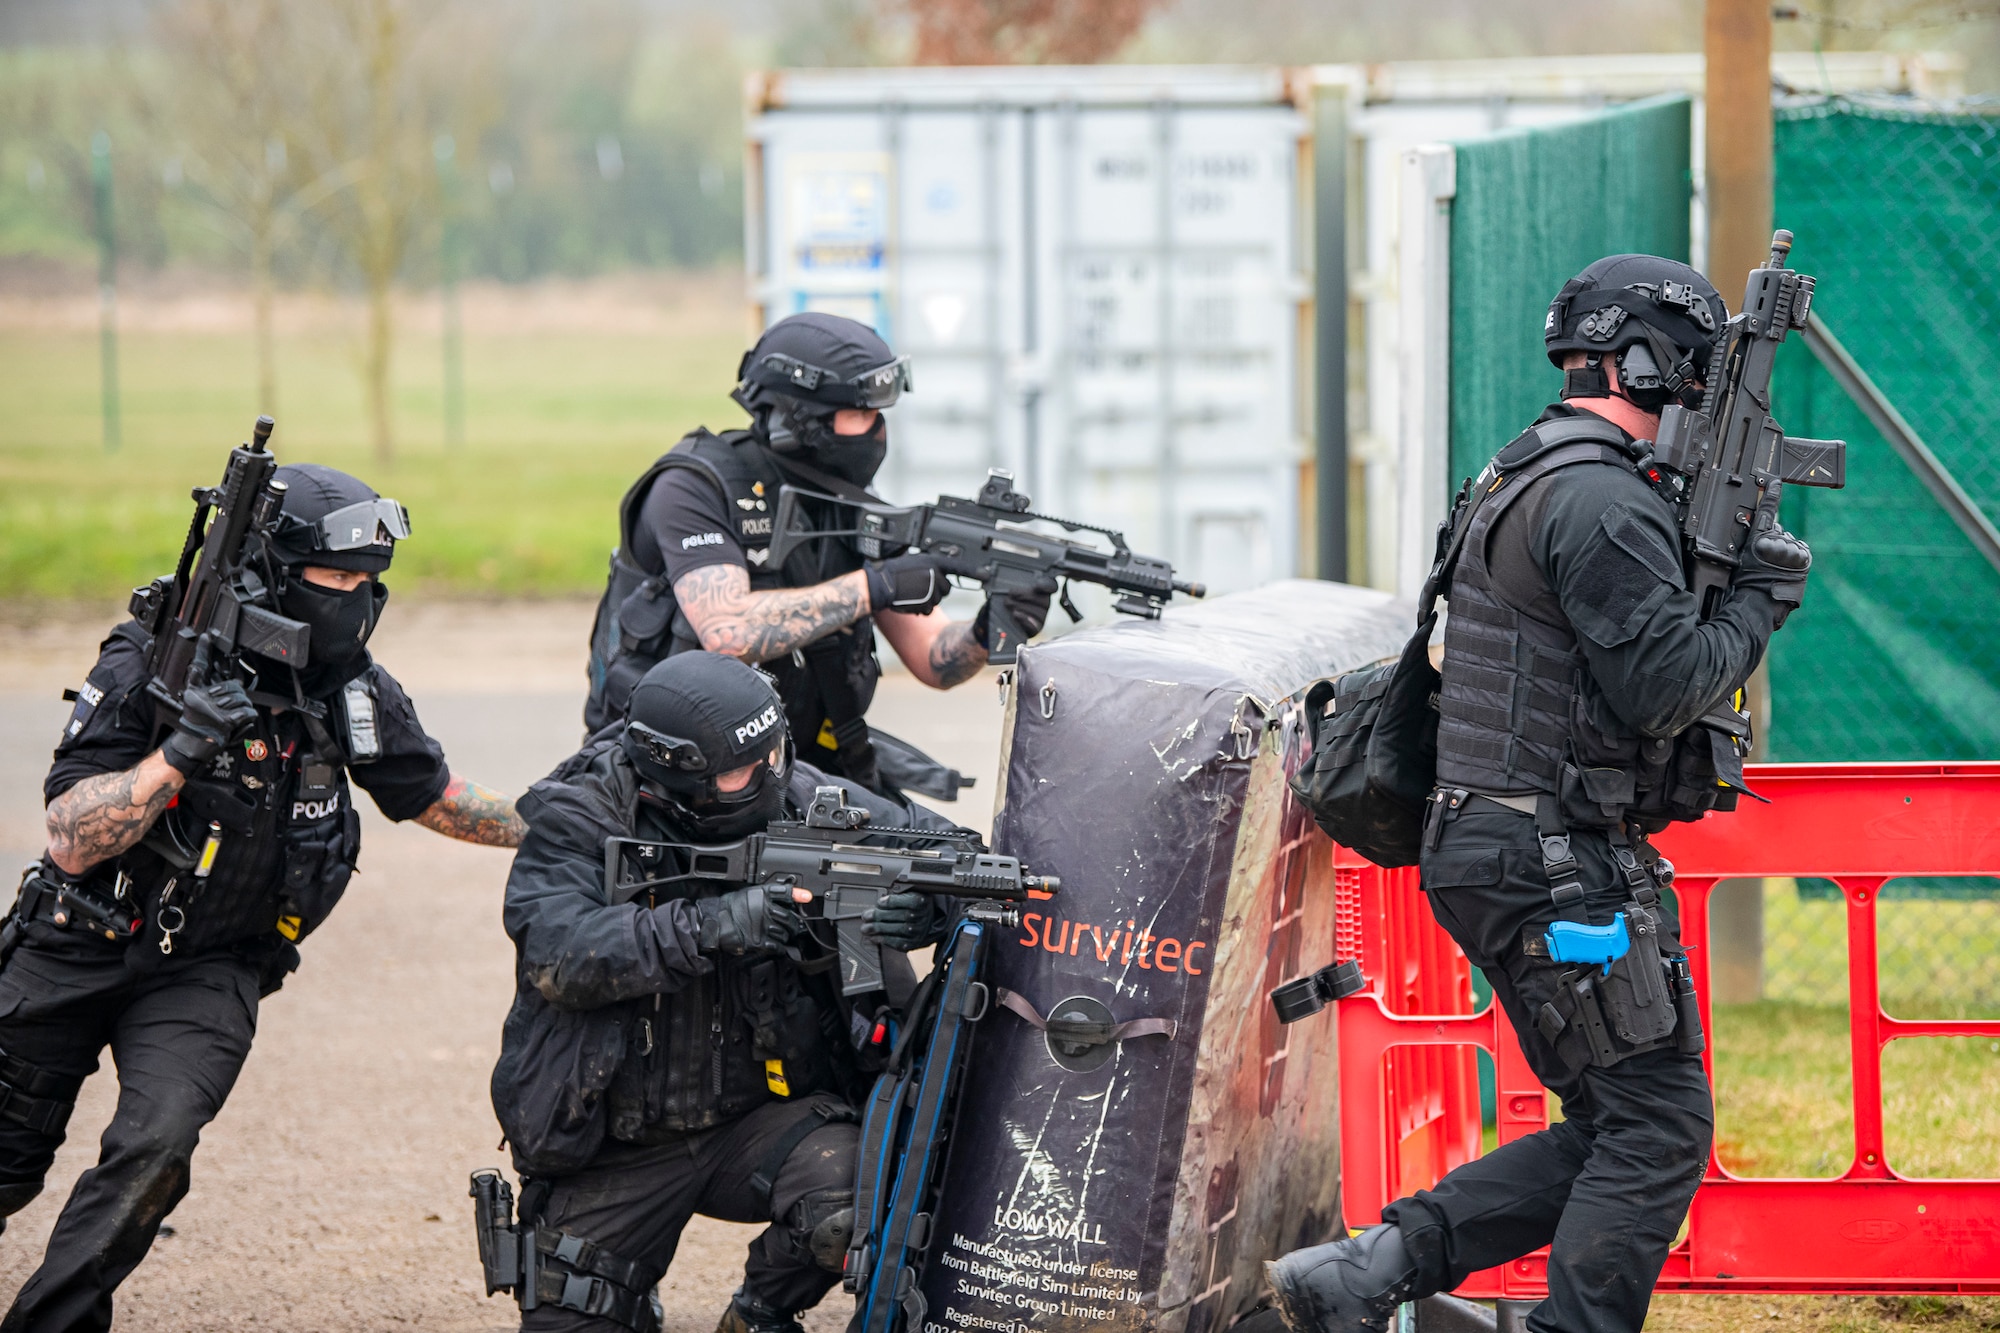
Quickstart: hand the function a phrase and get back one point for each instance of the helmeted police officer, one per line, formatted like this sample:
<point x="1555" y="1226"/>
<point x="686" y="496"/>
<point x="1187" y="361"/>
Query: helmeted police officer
<point x="673" y="1055"/>
<point x="180" y="875"/>
<point x="692" y="566"/>
<point x="1584" y="705"/>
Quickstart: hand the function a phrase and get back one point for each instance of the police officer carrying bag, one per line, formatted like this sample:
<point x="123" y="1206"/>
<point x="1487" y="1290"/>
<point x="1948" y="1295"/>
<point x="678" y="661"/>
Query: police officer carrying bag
<point x="1588" y="697"/>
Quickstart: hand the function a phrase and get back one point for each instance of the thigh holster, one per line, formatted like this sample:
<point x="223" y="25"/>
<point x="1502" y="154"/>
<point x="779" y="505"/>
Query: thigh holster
<point x="542" y="1266"/>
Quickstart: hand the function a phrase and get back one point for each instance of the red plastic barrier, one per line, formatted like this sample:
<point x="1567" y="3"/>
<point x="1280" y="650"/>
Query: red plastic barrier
<point x="1409" y="1115"/>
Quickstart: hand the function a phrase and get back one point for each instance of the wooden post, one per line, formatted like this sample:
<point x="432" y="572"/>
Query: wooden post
<point x="1737" y="152"/>
<point x="1737" y="40"/>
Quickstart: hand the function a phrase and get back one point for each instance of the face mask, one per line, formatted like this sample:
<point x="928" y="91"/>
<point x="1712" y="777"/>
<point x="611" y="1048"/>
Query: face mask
<point x="798" y="431"/>
<point x="740" y="814"/>
<point x="341" y="623"/>
<point x="725" y="818"/>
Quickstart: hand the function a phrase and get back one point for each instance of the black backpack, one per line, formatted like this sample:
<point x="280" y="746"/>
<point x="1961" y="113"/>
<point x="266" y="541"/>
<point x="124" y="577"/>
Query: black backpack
<point x="1374" y="732"/>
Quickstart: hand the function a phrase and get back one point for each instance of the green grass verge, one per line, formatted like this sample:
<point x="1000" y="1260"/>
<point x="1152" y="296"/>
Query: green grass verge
<point x="557" y="427"/>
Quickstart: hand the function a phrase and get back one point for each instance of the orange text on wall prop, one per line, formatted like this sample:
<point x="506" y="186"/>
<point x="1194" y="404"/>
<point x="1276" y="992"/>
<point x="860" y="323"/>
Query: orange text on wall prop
<point x="1122" y="945"/>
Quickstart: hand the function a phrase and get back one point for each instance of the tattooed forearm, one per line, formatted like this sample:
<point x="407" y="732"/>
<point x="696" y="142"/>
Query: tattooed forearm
<point x="472" y="813"/>
<point x="101" y="816"/>
<point x="955" y="655"/>
<point x="758" y="626"/>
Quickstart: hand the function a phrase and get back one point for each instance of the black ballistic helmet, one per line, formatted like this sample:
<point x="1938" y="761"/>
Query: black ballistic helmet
<point x="336" y="521"/>
<point x="699" y="715"/>
<point x="805" y="368"/>
<point x="1659" y="318"/>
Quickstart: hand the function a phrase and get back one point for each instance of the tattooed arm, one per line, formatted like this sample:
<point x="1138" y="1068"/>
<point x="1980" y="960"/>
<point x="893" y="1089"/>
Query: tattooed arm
<point x="103" y="815"/>
<point x="939" y="652"/>
<point x="758" y="626"/>
<point x="472" y="813"/>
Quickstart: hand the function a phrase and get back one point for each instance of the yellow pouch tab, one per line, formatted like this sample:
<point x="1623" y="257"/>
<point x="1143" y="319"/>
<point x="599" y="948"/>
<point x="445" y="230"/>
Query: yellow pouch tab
<point x="826" y="740"/>
<point x="288" y="926"/>
<point x="774" y="1078"/>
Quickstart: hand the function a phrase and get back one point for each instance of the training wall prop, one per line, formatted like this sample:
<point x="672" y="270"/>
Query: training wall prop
<point x="1141" y="1183"/>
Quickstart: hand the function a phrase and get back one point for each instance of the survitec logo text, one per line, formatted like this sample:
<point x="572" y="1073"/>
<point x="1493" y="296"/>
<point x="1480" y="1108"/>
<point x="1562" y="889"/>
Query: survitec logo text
<point x="757" y="725"/>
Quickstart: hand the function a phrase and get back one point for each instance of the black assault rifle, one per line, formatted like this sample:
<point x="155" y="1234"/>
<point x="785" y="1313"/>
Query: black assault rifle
<point x="983" y="541"/>
<point x="845" y="879"/>
<point x="215" y="590"/>
<point x="1717" y="460"/>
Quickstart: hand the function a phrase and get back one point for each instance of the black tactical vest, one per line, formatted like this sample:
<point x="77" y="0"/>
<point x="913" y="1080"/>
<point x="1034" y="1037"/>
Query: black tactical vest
<point x="1518" y="710"/>
<point x="638" y="623"/>
<point x="281" y="814"/>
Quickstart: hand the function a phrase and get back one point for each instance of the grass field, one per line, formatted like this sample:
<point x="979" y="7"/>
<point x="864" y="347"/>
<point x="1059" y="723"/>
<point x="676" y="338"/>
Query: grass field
<point x="558" y="424"/>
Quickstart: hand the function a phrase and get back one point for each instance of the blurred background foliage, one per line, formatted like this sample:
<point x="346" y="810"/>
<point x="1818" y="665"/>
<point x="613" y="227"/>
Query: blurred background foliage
<point x="593" y="135"/>
<point x="291" y="180"/>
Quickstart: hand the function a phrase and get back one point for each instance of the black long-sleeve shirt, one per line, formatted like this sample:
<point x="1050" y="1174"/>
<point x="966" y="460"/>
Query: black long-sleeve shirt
<point x="1605" y="551"/>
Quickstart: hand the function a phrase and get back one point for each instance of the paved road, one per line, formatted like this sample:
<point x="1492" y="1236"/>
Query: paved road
<point x="330" y="1193"/>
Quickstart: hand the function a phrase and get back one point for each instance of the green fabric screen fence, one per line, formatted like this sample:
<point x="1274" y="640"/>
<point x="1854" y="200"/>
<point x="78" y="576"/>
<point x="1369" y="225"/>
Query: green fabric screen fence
<point x="1533" y="207"/>
<point x="1897" y="652"/>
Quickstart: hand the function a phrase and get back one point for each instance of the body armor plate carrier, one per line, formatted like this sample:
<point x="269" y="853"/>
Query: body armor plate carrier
<point x="1519" y="712"/>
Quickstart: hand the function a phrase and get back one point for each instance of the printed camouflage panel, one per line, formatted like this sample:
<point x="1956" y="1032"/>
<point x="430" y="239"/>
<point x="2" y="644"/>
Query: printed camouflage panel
<point x="1138" y="1131"/>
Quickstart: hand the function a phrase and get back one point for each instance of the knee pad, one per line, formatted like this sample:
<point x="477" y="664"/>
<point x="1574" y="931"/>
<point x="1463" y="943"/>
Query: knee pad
<point x="15" y="1197"/>
<point x="823" y="1221"/>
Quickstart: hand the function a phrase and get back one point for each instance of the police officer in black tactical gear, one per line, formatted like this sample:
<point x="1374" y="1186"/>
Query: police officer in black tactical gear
<point x="1584" y="705"/>
<point x="673" y="1055"/>
<point x="692" y="565"/>
<point x="182" y="871"/>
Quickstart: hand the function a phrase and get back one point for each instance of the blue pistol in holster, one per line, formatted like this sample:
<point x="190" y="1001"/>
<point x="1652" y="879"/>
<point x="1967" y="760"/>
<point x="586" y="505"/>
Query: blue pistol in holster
<point x="1622" y="996"/>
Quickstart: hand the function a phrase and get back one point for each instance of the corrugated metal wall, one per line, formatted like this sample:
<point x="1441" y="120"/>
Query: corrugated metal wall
<point x="1534" y="206"/>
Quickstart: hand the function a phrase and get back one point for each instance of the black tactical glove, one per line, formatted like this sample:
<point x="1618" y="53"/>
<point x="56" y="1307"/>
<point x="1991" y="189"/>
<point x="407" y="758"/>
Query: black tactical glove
<point x="905" y="920"/>
<point x="911" y="582"/>
<point x="1774" y="561"/>
<point x="212" y="716"/>
<point x="1028" y="608"/>
<point x="759" y="919"/>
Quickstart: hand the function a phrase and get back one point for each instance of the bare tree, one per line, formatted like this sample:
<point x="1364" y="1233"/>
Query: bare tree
<point x="381" y="79"/>
<point x="232" y="105"/>
<point x="1014" y="32"/>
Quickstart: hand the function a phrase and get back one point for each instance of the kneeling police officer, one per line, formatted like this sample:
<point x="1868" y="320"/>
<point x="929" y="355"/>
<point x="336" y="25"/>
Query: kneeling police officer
<point x="181" y="874"/>
<point x="692" y="568"/>
<point x="1576" y="672"/>
<point x="675" y="1056"/>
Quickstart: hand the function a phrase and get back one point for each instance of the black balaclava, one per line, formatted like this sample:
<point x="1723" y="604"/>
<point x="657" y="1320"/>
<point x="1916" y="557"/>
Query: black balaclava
<point x="341" y="622"/>
<point x="806" y="368"/>
<point x="1657" y="317"/>
<point x="797" y="428"/>
<point x="695" y="717"/>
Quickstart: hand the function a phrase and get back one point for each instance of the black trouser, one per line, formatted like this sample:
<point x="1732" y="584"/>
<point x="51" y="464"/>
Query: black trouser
<point x="635" y="1201"/>
<point x="1605" y="1188"/>
<point x="178" y="1037"/>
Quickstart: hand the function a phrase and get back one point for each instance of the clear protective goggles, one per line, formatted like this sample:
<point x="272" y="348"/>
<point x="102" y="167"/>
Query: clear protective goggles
<point x="874" y="389"/>
<point x="353" y="527"/>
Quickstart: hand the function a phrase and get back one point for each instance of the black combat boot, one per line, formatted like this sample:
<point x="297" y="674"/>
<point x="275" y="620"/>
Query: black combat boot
<point x="1350" y="1286"/>
<point x="747" y="1314"/>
